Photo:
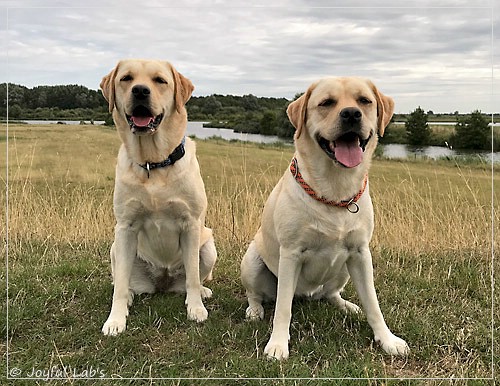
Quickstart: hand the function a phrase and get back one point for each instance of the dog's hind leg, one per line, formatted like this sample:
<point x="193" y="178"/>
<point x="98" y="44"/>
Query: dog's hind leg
<point x="208" y="256"/>
<point x="344" y="305"/>
<point x="143" y="278"/>
<point x="259" y="282"/>
<point x="332" y="291"/>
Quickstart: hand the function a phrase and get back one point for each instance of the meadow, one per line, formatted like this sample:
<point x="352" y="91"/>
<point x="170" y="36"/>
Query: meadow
<point x="432" y="250"/>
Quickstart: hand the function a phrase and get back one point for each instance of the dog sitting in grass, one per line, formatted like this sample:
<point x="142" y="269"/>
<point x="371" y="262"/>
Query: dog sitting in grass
<point x="318" y="221"/>
<point x="161" y="241"/>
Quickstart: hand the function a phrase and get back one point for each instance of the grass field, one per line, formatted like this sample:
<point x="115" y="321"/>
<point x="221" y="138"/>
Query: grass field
<point x="432" y="255"/>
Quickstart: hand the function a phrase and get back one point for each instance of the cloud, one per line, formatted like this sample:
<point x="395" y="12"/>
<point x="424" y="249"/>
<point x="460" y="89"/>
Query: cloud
<point x="438" y="52"/>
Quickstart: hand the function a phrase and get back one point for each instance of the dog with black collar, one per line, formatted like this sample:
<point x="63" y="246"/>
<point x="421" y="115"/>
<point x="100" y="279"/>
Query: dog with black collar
<point x="161" y="241"/>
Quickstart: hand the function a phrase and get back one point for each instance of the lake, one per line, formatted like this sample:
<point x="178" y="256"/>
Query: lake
<point x="397" y="151"/>
<point x="197" y="129"/>
<point x="391" y="151"/>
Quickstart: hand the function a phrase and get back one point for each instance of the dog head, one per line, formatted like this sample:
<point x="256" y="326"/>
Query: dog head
<point x="145" y="93"/>
<point x="342" y="116"/>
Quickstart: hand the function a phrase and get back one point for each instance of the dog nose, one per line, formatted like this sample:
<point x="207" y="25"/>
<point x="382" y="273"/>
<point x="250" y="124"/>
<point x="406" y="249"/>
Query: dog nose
<point x="351" y="116"/>
<point x="141" y="92"/>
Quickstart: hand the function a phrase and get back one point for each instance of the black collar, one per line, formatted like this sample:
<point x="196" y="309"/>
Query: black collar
<point x="176" y="155"/>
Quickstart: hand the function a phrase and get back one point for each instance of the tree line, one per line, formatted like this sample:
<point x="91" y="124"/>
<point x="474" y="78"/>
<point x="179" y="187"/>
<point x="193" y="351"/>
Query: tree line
<point x="52" y="102"/>
<point x="247" y="113"/>
<point x="471" y="131"/>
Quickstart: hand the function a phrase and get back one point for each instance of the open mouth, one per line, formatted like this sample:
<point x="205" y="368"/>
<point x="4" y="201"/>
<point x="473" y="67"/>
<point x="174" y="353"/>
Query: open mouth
<point x="142" y="121"/>
<point x="347" y="149"/>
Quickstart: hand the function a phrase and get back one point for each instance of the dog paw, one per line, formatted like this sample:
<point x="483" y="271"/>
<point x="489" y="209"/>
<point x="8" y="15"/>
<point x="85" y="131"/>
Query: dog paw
<point x="198" y="314"/>
<point x="351" y="308"/>
<point x="206" y="292"/>
<point x="276" y="350"/>
<point x="393" y="345"/>
<point x="344" y="305"/>
<point x="255" y="313"/>
<point x="114" y="326"/>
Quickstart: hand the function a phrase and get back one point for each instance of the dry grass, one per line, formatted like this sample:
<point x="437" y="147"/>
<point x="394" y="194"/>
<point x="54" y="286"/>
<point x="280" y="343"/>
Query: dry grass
<point x="421" y="208"/>
<point x="60" y="191"/>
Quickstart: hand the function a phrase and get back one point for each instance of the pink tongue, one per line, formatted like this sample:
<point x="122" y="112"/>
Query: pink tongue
<point x="142" y="121"/>
<point x="348" y="154"/>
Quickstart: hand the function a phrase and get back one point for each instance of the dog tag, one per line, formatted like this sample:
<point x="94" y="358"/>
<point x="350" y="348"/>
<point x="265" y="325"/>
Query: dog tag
<point x="352" y="207"/>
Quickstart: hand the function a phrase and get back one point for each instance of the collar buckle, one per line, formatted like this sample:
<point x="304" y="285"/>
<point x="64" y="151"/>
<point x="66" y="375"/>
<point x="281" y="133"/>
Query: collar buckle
<point x="176" y="155"/>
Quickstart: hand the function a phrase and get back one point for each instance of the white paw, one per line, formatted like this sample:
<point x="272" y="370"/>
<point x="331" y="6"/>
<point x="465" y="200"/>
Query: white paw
<point x="198" y="314"/>
<point x="114" y="326"/>
<point x="130" y="298"/>
<point x="206" y="292"/>
<point x="351" y="308"/>
<point x="344" y="305"/>
<point x="255" y="312"/>
<point x="393" y="345"/>
<point x="276" y="350"/>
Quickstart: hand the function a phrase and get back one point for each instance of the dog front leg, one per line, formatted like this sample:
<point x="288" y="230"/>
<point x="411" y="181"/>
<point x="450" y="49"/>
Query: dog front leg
<point x="288" y="273"/>
<point x="361" y="271"/>
<point x="125" y="251"/>
<point x="190" y="240"/>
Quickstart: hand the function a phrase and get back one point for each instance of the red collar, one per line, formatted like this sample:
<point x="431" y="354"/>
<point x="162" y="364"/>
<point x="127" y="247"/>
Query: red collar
<point x="349" y="204"/>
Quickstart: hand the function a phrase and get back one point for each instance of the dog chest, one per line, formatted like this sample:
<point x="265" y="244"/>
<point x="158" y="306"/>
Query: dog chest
<point x="160" y="222"/>
<point x="158" y="241"/>
<point x="322" y="242"/>
<point x="321" y="264"/>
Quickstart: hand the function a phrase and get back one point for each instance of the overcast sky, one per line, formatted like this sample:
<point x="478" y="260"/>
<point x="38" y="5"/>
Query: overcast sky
<point x="442" y="55"/>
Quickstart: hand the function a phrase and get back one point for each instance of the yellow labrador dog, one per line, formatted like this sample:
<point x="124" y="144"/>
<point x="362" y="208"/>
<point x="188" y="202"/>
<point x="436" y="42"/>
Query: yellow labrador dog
<point x="318" y="221"/>
<point x="161" y="242"/>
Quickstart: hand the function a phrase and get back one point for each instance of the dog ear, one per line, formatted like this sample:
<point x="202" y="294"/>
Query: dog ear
<point x="297" y="112"/>
<point x="183" y="89"/>
<point x="385" y="109"/>
<point x="108" y="87"/>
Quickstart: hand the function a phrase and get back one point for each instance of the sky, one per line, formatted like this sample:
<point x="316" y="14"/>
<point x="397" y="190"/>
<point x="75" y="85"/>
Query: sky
<point x="440" y="55"/>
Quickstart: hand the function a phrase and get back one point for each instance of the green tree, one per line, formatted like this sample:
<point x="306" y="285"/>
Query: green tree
<point x="250" y="102"/>
<point x="15" y="111"/>
<point x="268" y="123"/>
<point x="211" y="105"/>
<point x="472" y="132"/>
<point x="417" y="129"/>
<point x="284" y="127"/>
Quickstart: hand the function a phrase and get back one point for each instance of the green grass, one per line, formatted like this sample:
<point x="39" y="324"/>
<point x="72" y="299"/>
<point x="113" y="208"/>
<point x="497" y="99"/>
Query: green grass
<point x="432" y="257"/>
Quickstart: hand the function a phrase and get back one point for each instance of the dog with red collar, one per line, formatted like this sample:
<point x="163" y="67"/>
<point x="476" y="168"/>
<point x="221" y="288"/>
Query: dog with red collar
<point x="318" y="221"/>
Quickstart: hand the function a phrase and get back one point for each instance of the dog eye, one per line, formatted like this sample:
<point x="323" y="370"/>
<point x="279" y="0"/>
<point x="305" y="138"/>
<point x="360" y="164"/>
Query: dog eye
<point x="364" y="101"/>
<point x="327" y="102"/>
<point x="160" y="80"/>
<point x="126" y="78"/>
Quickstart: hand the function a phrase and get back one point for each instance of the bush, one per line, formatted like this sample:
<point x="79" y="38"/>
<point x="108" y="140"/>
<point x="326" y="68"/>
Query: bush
<point x="472" y="132"/>
<point x="417" y="129"/>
